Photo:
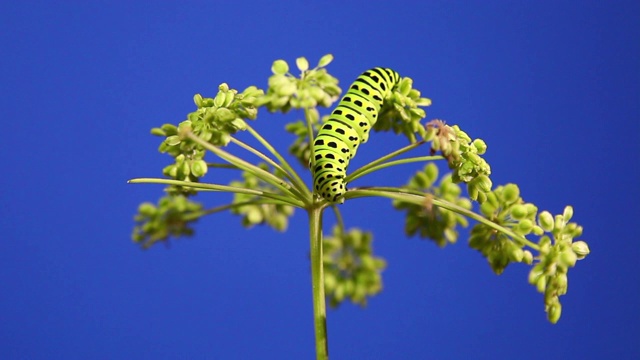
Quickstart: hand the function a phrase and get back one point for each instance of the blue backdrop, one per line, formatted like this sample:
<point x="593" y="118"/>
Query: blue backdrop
<point x="553" y="87"/>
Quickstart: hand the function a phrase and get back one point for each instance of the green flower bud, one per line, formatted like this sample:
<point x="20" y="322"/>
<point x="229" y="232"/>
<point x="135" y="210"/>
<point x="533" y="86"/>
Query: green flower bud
<point x="518" y="211"/>
<point x="302" y="63"/>
<point x="405" y="86"/>
<point x="473" y="158"/>
<point x="218" y="101"/>
<point x="568" y="258"/>
<point x="431" y="170"/>
<point x="541" y="283"/>
<point x="197" y="99"/>
<point x="330" y="281"/>
<point x="287" y="89"/>
<point x="527" y="257"/>
<point x="158" y="132"/>
<point x="313" y="115"/>
<point x="169" y="129"/>
<point x="559" y="223"/>
<point x="173" y="140"/>
<point x="484" y="183"/>
<point x="480" y="145"/>
<point x="516" y="254"/>
<point x="280" y="67"/>
<point x="525" y="226"/>
<point x="473" y="192"/>
<point x="561" y="283"/>
<point x="510" y="193"/>
<point x="147" y="209"/>
<point x="568" y="213"/>
<point x="581" y="249"/>
<point x="430" y="133"/>
<point x="554" y="312"/>
<point x="184" y="169"/>
<point x="199" y="168"/>
<point x="325" y="60"/>
<point x="348" y="286"/>
<point x="224" y="87"/>
<point x="279" y="222"/>
<point x="487" y="209"/>
<point x="254" y="216"/>
<point x="545" y="219"/>
<point x="339" y="292"/>
<point x="419" y="114"/>
<point x="574" y="229"/>
<point x="493" y="199"/>
<point x="225" y="114"/>
<point x="420" y="181"/>
<point x="536" y="272"/>
<point x="228" y="98"/>
<point x="545" y="244"/>
<point x="170" y="171"/>
<point x="367" y="262"/>
<point x="532" y="210"/>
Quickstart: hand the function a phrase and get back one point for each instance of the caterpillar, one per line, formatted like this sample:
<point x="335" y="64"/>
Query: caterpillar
<point x="347" y="127"/>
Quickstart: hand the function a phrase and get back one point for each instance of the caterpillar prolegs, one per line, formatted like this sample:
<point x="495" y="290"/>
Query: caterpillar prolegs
<point x="347" y="127"/>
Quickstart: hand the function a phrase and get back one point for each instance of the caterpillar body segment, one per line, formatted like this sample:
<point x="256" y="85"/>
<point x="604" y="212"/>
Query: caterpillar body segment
<point x="347" y="127"/>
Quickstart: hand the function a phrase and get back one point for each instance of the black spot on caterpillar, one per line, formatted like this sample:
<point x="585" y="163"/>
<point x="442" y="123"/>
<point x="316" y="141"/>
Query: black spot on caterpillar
<point x="347" y="127"/>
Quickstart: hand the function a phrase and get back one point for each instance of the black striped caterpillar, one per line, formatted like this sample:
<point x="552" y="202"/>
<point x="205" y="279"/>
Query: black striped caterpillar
<point x="347" y="127"/>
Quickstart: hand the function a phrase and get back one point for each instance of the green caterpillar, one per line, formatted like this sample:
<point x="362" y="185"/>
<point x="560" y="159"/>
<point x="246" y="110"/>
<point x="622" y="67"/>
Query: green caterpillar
<point x="347" y="127"/>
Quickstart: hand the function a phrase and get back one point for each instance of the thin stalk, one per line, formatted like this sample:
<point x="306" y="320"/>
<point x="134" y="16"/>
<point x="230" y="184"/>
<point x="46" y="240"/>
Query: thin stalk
<point x="295" y="178"/>
<point x="374" y="168"/>
<point x="339" y="220"/>
<point x="262" y="156"/>
<point x="258" y="154"/>
<point x="223" y="188"/>
<point x="216" y="209"/>
<point x="222" y="166"/>
<point x="246" y="166"/>
<point x="317" y="283"/>
<point x="417" y="198"/>
<point x="365" y="168"/>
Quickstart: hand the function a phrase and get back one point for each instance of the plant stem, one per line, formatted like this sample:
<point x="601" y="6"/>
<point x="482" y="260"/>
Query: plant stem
<point x="295" y="178"/>
<point x="417" y="198"/>
<point x="393" y="163"/>
<point x="357" y="173"/>
<point x="277" y="198"/>
<point x="317" y="282"/>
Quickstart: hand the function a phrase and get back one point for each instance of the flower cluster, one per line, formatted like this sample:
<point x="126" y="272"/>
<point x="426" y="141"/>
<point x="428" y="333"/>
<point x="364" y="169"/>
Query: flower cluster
<point x="427" y="220"/>
<point x="402" y="113"/>
<point x="170" y="218"/>
<point x="254" y="210"/>
<point x="504" y="207"/>
<point x="558" y="253"/>
<point x="315" y="87"/>
<point x="351" y="271"/>
<point x="463" y="157"/>
<point x="516" y="219"/>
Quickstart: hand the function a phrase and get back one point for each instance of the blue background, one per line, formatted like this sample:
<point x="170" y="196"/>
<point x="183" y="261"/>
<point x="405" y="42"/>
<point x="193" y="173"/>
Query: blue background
<point x="553" y="87"/>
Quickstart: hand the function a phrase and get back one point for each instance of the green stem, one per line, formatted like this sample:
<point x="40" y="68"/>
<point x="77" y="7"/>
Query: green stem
<point x="257" y="153"/>
<point x="224" y="188"/>
<point x="222" y="166"/>
<point x="374" y="168"/>
<point x="246" y="166"/>
<point x="317" y="282"/>
<point x="339" y="220"/>
<point x="272" y="163"/>
<point x="416" y="197"/>
<point x="294" y="177"/>
<point x="357" y="173"/>
<point x="221" y="208"/>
